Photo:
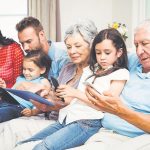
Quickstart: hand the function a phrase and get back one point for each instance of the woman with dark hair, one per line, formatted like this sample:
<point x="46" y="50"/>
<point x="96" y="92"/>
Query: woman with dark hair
<point x="11" y="58"/>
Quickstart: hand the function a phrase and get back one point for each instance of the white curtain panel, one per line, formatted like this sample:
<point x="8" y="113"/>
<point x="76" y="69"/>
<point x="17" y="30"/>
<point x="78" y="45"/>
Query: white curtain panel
<point x="47" y="11"/>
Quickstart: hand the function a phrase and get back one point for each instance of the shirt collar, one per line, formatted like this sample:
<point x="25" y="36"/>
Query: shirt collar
<point x="51" y="51"/>
<point x="141" y="74"/>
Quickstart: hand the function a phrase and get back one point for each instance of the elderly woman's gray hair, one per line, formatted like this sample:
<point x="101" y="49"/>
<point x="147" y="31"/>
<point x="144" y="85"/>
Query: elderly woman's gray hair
<point x="86" y="28"/>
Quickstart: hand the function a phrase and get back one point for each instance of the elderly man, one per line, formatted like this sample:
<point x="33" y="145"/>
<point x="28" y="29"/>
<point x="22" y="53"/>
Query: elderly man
<point x="127" y="119"/>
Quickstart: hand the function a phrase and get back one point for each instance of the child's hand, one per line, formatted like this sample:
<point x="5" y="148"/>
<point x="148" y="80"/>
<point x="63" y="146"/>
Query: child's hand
<point x="2" y="83"/>
<point x="27" y="112"/>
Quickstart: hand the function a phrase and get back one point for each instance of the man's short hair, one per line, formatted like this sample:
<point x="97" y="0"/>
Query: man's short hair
<point x="29" y="22"/>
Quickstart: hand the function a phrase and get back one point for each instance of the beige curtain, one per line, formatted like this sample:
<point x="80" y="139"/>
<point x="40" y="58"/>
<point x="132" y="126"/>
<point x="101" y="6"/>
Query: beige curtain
<point x="47" y="11"/>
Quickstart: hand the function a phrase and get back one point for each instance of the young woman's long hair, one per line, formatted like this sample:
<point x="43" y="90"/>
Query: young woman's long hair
<point x="118" y="42"/>
<point x="5" y="41"/>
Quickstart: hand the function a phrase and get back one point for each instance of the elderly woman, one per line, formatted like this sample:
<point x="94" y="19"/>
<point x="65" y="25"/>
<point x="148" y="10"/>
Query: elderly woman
<point x="78" y="40"/>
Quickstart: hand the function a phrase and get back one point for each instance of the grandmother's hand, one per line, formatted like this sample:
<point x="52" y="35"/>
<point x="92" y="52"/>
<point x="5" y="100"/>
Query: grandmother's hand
<point x="105" y="102"/>
<point x="65" y="91"/>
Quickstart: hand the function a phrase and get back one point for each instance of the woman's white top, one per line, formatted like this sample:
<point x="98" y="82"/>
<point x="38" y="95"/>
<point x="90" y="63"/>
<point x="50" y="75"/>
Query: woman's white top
<point x="77" y="109"/>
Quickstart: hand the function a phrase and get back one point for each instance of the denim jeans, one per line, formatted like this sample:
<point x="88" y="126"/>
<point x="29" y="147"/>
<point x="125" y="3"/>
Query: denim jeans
<point x="9" y="111"/>
<point x="60" y="136"/>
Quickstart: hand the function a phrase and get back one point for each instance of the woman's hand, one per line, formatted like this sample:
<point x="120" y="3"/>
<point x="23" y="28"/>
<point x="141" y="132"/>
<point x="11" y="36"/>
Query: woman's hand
<point x="114" y="105"/>
<point x="105" y="102"/>
<point x="65" y="91"/>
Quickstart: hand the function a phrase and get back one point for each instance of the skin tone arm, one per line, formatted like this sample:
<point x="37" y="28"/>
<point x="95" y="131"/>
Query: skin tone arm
<point x="69" y="93"/>
<point x="43" y="89"/>
<point x="27" y="112"/>
<point x="66" y="91"/>
<point x="116" y="87"/>
<point x="49" y="95"/>
<point x="32" y="87"/>
<point x="58" y="104"/>
<point x="114" y="105"/>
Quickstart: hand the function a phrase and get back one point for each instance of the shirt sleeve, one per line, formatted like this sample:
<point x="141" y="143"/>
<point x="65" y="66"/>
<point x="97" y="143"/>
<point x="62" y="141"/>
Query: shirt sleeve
<point x="121" y="74"/>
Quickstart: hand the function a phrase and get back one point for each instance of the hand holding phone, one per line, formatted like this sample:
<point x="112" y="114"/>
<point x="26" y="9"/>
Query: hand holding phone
<point x="54" y="82"/>
<point x="55" y="85"/>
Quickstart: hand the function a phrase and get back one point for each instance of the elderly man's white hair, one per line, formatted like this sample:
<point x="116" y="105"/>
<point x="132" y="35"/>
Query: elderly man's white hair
<point x="86" y="28"/>
<point x="143" y="25"/>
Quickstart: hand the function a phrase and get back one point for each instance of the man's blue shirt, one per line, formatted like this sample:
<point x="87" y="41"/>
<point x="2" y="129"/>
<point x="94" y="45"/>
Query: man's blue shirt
<point x="135" y="95"/>
<point x="58" y="54"/>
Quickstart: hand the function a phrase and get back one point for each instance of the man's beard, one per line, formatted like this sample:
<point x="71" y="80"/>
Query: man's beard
<point x="36" y="48"/>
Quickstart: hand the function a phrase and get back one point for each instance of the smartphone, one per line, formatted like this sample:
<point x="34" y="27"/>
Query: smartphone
<point x="55" y="84"/>
<point x="94" y="87"/>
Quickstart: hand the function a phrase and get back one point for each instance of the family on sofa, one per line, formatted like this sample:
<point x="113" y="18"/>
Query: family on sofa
<point x="105" y="105"/>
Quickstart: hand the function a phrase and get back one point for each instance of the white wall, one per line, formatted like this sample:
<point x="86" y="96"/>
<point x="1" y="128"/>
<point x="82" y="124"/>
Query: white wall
<point x="122" y="12"/>
<point x="147" y="9"/>
<point x="99" y="11"/>
<point x="10" y="13"/>
<point x="102" y="12"/>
